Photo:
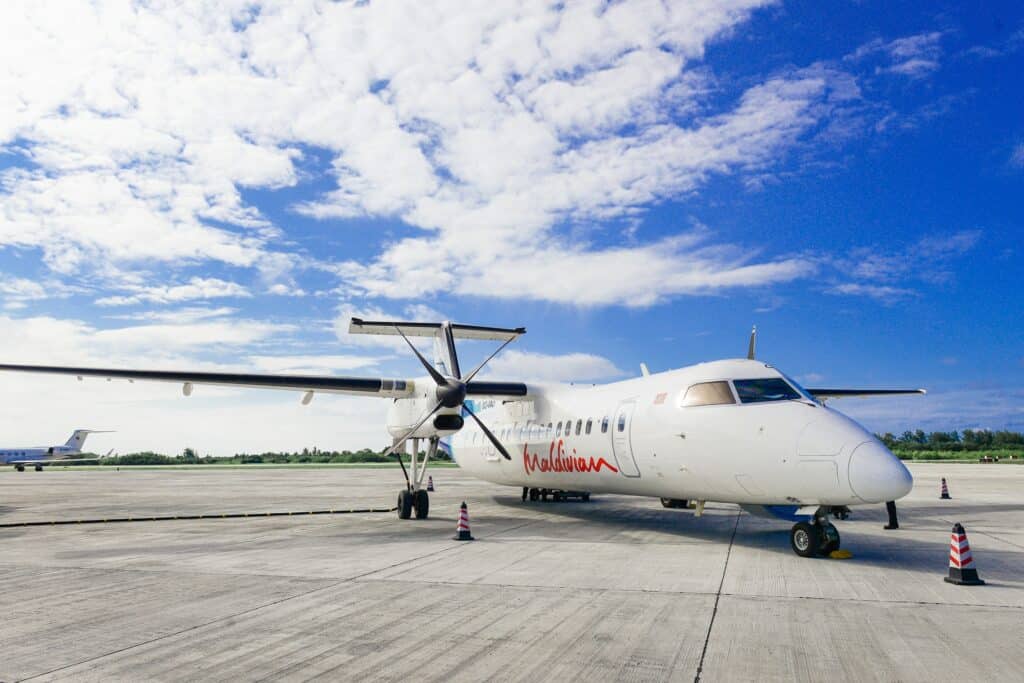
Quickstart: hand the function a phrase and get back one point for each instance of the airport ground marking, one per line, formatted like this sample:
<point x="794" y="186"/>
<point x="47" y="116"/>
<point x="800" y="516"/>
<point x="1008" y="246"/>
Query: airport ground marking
<point x="169" y="518"/>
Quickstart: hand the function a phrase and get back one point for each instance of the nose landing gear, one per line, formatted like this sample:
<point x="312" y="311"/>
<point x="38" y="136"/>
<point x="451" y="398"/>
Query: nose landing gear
<point x="810" y="539"/>
<point x="415" y="499"/>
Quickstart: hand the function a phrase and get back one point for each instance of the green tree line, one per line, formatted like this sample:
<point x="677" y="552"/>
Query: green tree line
<point x="967" y="440"/>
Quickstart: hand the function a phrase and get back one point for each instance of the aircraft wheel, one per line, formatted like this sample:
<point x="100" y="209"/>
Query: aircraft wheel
<point x="667" y="503"/>
<point x="20" y="468"/>
<point x="422" y="504"/>
<point x="805" y="539"/>
<point x="526" y="492"/>
<point x="585" y="497"/>
<point x="39" y="468"/>
<point x="404" y="504"/>
<point x="556" y="496"/>
<point x="829" y="539"/>
<point x="534" y="495"/>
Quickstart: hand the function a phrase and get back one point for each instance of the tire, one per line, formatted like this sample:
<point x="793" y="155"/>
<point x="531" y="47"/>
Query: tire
<point x="557" y="496"/>
<point x="805" y="539"/>
<point x="422" y="505"/>
<point x="20" y="468"/>
<point x="668" y="503"/>
<point x="404" y="505"/>
<point x="829" y="539"/>
<point x="39" y="468"/>
<point x="534" y="495"/>
<point x="585" y="497"/>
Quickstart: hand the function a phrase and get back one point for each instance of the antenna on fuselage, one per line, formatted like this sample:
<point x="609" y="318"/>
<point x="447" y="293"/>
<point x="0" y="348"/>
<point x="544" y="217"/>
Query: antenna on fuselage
<point x="753" y="344"/>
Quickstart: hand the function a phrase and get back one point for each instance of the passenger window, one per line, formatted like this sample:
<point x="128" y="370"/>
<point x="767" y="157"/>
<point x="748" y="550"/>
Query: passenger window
<point x="604" y="424"/>
<point x="550" y="431"/>
<point x="708" y="394"/>
<point x="622" y="422"/>
<point x="589" y="425"/>
<point x="579" y="427"/>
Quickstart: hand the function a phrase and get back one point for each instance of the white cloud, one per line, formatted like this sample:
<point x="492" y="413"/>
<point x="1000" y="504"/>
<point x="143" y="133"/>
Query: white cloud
<point x="489" y="125"/>
<point x="885" y="275"/>
<point x="1017" y="158"/>
<point x="886" y="294"/>
<point x="569" y="367"/>
<point x="914" y="56"/>
<point x="312" y="364"/>
<point x="155" y="415"/>
<point x="196" y="288"/>
<point x="996" y="407"/>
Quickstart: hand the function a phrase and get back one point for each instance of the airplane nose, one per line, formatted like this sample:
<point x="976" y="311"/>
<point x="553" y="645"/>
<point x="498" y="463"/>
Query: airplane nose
<point x="876" y="475"/>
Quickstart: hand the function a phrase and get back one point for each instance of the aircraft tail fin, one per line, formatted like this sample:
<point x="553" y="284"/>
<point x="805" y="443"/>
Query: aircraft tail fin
<point x="77" y="440"/>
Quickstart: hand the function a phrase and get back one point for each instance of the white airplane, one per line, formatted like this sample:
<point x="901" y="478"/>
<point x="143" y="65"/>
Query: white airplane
<point x="38" y="456"/>
<point x="729" y="431"/>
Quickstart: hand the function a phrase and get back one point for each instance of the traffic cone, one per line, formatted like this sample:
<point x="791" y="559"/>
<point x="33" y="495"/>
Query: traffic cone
<point x="430" y="483"/>
<point x="961" y="564"/>
<point x="462" y="530"/>
<point x="945" y="491"/>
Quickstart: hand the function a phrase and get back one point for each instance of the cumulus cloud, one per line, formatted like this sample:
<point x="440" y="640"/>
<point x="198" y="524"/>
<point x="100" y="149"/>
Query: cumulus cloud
<point x="495" y="128"/>
<point x="196" y="288"/>
<point x="568" y="367"/>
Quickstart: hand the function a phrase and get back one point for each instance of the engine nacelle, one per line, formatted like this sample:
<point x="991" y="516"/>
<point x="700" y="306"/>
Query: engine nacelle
<point x="404" y="413"/>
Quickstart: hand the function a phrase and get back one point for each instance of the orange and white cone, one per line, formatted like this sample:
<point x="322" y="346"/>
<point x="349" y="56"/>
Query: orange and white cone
<point x="430" y="483"/>
<point x="944" y="493"/>
<point x="462" y="530"/>
<point x="962" y="571"/>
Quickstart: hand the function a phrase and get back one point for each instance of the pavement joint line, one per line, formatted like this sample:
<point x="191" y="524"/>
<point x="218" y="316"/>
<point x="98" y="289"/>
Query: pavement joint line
<point x="203" y="516"/>
<point x="718" y="597"/>
<point x="751" y="596"/>
<point x="986" y="533"/>
<point x="242" y="613"/>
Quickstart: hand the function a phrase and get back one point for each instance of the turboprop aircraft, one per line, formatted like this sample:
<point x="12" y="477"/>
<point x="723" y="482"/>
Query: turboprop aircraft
<point x="38" y="456"/>
<point x="730" y="431"/>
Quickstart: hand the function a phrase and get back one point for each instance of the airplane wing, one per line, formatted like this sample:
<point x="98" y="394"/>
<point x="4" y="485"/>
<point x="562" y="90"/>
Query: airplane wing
<point x="360" y="386"/>
<point x="52" y="461"/>
<point x="825" y="394"/>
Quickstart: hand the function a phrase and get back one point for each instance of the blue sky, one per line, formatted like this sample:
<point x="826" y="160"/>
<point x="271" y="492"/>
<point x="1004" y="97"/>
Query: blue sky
<point x="631" y="181"/>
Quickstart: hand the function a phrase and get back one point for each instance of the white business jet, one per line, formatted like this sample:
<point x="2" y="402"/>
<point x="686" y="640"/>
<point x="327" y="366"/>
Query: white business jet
<point x="39" y="456"/>
<point x="730" y="431"/>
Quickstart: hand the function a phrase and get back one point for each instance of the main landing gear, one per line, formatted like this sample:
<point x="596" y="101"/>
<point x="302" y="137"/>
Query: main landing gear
<point x="818" y="537"/>
<point x="557" y="495"/>
<point x="415" y="499"/>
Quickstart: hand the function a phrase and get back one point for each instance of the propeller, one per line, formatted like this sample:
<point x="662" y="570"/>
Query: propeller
<point x="450" y="391"/>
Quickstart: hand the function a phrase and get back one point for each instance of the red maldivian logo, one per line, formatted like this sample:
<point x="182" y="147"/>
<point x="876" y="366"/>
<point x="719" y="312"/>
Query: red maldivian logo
<point x="560" y="461"/>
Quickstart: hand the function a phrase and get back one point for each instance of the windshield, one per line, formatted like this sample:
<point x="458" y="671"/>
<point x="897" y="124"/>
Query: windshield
<point x="761" y="390"/>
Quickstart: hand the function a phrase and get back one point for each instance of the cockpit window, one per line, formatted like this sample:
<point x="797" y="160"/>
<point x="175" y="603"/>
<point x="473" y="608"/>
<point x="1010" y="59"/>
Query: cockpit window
<point x="708" y="394"/>
<point x="767" y="389"/>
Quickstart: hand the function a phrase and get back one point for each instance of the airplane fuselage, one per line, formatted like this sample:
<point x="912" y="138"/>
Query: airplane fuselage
<point x="640" y="437"/>
<point x="36" y="453"/>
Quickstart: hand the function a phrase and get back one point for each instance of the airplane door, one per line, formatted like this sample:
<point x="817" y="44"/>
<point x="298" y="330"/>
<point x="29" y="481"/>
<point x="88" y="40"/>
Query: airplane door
<point x="622" y="446"/>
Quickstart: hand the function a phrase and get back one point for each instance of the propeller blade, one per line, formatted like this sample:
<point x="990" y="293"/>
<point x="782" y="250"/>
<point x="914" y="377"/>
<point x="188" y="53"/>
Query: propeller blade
<point x="437" y="376"/>
<point x="487" y="432"/>
<point x="405" y="437"/>
<point x="449" y="342"/>
<point x="753" y="344"/>
<point x="488" y="360"/>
